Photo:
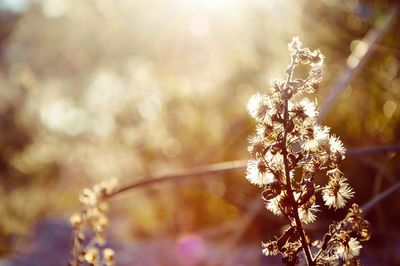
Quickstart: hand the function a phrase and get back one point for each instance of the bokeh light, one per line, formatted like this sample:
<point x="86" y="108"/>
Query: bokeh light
<point x="96" y="89"/>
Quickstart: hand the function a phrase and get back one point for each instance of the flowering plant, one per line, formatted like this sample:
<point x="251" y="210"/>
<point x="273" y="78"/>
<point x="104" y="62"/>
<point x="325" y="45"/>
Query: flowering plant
<point x="287" y="152"/>
<point x="93" y="219"/>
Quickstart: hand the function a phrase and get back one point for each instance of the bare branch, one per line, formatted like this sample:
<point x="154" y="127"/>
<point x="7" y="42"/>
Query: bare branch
<point x="370" y="204"/>
<point x="344" y="78"/>
<point x="203" y="171"/>
<point x="226" y="167"/>
<point x="380" y="168"/>
<point x="373" y="150"/>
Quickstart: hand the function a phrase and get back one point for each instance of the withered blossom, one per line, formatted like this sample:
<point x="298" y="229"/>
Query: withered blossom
<point x="336" y="146"/>
<point x="273" y="205"/>
<point x="288" y="139"/>
<point x="310" y="108"/>
<point x="337" y="191"/>
<point x="258" y="173"/>
<point x="260" y="108"/>
<point x="92" y="256"/>
<point x="270" y="248"/>
<point x="315" y="138"/>
<point x="109" y="256"/>
<point x="343" y="241"/>
<point x="308" y="214"/>
<point x="348" y="249"/>
<point x="93" y="217"/>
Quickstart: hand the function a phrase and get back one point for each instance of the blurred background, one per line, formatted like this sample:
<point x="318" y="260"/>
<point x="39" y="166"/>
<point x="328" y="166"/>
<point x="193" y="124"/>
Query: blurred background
<point x="96" y="89"/>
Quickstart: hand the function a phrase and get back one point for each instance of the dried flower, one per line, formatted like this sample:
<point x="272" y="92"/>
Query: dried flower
<point x="288" y="139"/>
<point x="270" y="248"/>
<point x="273" y="205"/>
<point x="309" y="108"/>
<point x="258" y="173"/>
<point x="94" y="218"/>
<point x="336" y="146"/>
<point x="260" y="108"/>
<point x="91" y="256"/>
<point x="308" y="214"/>
<point x="348" y="249"/>
<point x="109" y="256"/>
<point x="337" y="191"/>
<point x="76" y="220"/>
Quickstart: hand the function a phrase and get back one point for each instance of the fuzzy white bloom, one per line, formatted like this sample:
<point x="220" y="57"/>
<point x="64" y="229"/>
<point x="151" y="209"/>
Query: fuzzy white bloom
<point x="310" y="145"/>
<point x="321" y="133"/>
<point x="273" y="206"/>
<point x="336" y="145"/>
<point x="88" y="197"/>
<point x="337" y="191"/>
<point x="349" y="250"/>
<point x="257" y="175"/>
<point x="260" y="107"/>
<point x="308" y="215"/>
<point x="320" y="138"/>
<point x="309" y="108"/>
<point x="289" y="138"/>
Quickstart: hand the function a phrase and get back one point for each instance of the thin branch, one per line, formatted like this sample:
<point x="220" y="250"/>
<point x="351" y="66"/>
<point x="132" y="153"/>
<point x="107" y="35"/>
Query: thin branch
<point x="360" y="57"/>
<point x="240" y="165"/>
<point x="226" y="167"/>
<point x="236" y="235"/>
<point x="385" y="49"/>
<point x="381" y="169"/>
<point x="203" y="171"/>
<point x="373" y="150"/>
<point x="370" y="204"/>
<point x="295" y="207"/>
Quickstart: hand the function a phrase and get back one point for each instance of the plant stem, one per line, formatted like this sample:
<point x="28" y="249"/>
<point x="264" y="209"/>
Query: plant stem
<point x="209" y="170"/>
<point x="295" y="206"/>
<point x="222" y="168"/>
<point x="318" y="254"/>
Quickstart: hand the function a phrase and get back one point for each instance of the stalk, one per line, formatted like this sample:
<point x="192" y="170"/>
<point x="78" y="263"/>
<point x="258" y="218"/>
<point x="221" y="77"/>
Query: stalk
<point x="295" y="206"/>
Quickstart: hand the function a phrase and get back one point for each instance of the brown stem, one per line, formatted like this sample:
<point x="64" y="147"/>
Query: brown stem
<point x="222" y="168"/>
<point x="76" y="247"/>
<point x="200" y="171"/>
<point x="318" y="254"/>
<point x="368" y="206"/>
<point x="295" y="206"/>
<point x="372" y="150"/>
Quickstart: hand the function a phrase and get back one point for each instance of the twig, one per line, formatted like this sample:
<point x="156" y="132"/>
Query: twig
<point x="245" y="222"/>
<point x="370" y="204"/>
<point x="226" y="167"/>
<point x="344" y="78"/>
<point x="203" y="171"/>
<point x="295" y="206"/>
<point x="381" y="169"/>
<point x="373" y="150"/>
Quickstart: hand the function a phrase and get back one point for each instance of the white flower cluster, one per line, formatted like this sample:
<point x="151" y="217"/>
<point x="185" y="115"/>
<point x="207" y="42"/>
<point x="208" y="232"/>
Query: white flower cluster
<point x="288" y="139"/>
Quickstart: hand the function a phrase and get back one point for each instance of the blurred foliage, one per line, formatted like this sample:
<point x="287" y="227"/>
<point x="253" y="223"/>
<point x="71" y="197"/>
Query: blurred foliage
<point x="97" y="89"/>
